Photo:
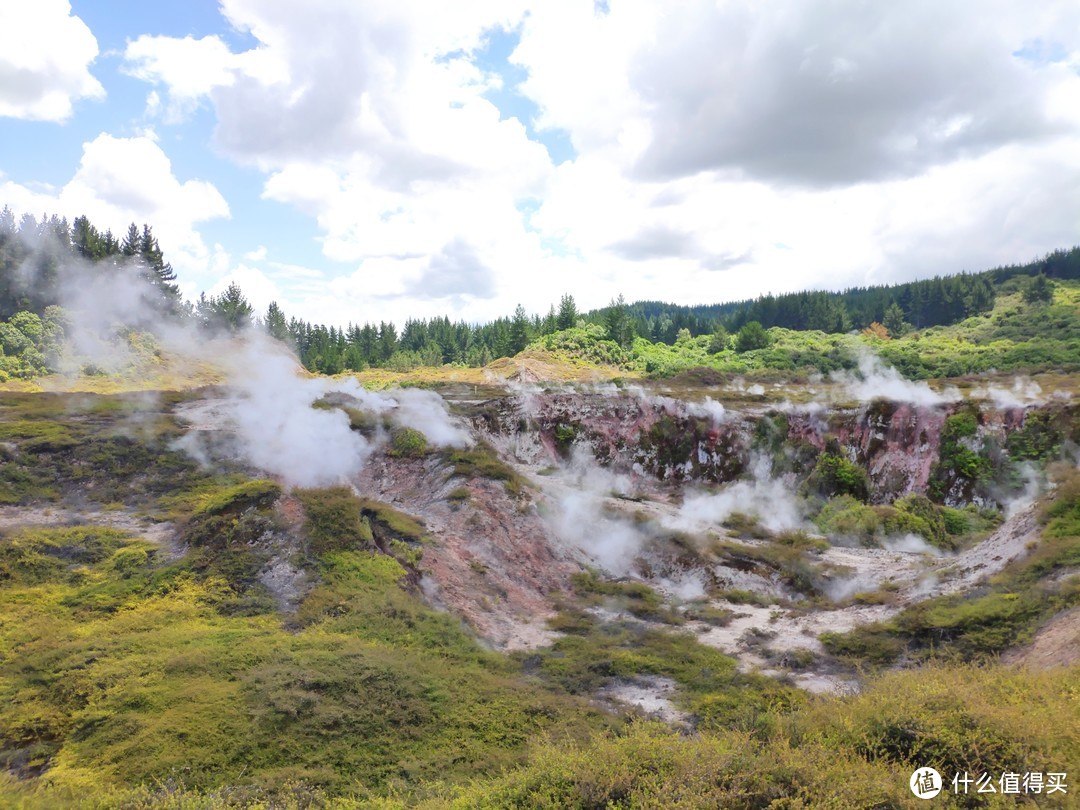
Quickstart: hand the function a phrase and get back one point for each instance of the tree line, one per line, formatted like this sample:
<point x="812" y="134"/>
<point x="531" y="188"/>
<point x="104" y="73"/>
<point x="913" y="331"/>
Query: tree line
<point x="34" y="268"/>
<point x="938" y="301"/>
<point x="44" y="262"/>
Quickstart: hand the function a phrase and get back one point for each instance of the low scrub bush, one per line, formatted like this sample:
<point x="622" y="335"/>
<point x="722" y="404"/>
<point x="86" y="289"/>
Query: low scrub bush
<point x="333" y="520"/>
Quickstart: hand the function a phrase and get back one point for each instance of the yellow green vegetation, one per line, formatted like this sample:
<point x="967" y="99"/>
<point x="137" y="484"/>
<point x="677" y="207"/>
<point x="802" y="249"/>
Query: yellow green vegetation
<point x="481" y="461"/>
<point x="106" y="448"/>
<point x="857" y="752"/>
<point x="1015" y="335"/>
<point x="336" y="519"/>
<point x="131" y="676"/>
<point x="117" y="668"/>
<point x="595" y="653"/>
<point x="635" y="598"/>
<point x="826" y="752"/>
<point x="984" y="623"/>
<point x="408" y="443"/>
<point x="786" y="562"/>
<point x="941" y="526"/>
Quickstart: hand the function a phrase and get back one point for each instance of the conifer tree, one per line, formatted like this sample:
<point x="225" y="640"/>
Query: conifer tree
<point x="568" y="313"/>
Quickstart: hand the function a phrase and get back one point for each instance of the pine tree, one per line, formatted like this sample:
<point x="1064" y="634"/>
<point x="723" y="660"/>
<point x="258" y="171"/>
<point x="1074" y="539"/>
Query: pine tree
<point x="568" y="314"/>
<point x="519" y="331"/>
<point x="893" y="320"/>
<point x="617" y="321"/>
<point x="1040" y="290"/>
<point x="719" y="340"/>
<point x="156" y="271"/>
<point x="275" y="325"/>
<point x="85" y="240"/>
<point x="231" y="309"/>
<point x="751" y="336"/>
<point x="132" y="242"/>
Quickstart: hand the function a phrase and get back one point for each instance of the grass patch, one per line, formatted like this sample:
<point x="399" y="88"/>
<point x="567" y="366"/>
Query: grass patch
<point x="116" y="673"/>
<point x="254" y="494"/>
<point x="333" y="520"/>
<point x="788" y="562"/>
<point x="386" y="520"/>
<point x="635" y="598"/>
<point x="595" y="654"/>
<point x="406" y="442"/>
<point x="481" y="461"/>
<point x="709" y="614"/>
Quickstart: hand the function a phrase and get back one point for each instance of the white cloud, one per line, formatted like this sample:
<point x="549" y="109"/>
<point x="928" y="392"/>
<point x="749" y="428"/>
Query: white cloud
<point x="192" y="68"/>
<point x="722" y="149"/>
<point x="258" y="289"/>
<point x="45" y="56"/>
<point x="818" y="94"/>
<point x="124" y="180"/>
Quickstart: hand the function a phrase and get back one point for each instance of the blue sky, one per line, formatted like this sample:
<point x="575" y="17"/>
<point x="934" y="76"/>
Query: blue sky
<point x="368" y="159"/>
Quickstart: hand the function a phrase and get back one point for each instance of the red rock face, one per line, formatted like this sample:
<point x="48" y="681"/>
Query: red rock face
<point x="491" y="560"/>
<point x="897" y="443"/>
<point x="900" y="457"/>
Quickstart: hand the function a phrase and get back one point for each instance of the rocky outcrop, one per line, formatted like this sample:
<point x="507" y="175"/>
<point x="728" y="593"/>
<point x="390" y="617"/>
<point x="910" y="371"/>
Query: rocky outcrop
<point x="899" y="445"/>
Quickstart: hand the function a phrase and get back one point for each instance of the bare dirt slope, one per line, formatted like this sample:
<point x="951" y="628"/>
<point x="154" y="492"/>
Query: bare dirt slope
<point x="1057" y="644"/>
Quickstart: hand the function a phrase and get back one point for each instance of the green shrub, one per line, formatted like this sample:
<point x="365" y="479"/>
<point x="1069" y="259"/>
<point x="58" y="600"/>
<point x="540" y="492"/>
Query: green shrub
<point x="752" y="336"/>
<point x="835" y="475"/>
<point x="482" y="461"/>
<point x="959" y="469"/>
<point x="635" y="598"/>
<point x="564" y="436"/>
<point x="845" y="516"/>
<point x="870" y="644"/>
<point x="255" y="494"/>
<point x="388" y="522"/>
<point x="333" y="520"/>
<point x="923" y="508"/>
<point x="407" y="442"/>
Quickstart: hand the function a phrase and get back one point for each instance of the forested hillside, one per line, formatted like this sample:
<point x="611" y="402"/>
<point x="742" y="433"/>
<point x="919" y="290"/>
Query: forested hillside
<point x="41" y="258"/>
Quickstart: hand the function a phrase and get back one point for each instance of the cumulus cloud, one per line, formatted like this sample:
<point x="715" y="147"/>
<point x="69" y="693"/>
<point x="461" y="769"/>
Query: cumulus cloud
<point x="834" y="94"/>
<point x="382" y="133"/>
<point x="821" y="94"/>
<point x="822" y="146"/>
<point x="124" y="180"/>
<point x="191" y="68"/>
<point x="45" y="57"/>
<point x="456" y="270"/>
<point x="657" y="242"/>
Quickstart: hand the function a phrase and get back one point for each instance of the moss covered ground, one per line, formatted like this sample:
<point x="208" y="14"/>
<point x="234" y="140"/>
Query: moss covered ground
<point x="135" y="675"/>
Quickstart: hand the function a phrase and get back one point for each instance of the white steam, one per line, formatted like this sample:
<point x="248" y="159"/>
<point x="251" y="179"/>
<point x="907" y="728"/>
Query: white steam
<point x="910" y="544"/>
<point x="1024" y="392"/>
<point x="277" y="430"/>
<point x="413" y="408"/>
<point x="1034" y="485"/>
<point x="738" y="385"/>
<point x="612" y="543"/>
<point x="839" y="589"/>
<point x="709" y="409"/>
<point x="266" y="413"/>
<point x="875" y="380"/>
<point x="269" y="411"/>
<point x="579" y="517"/>
<point x="686" y="587"/>
<point x="768" y="500"/>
